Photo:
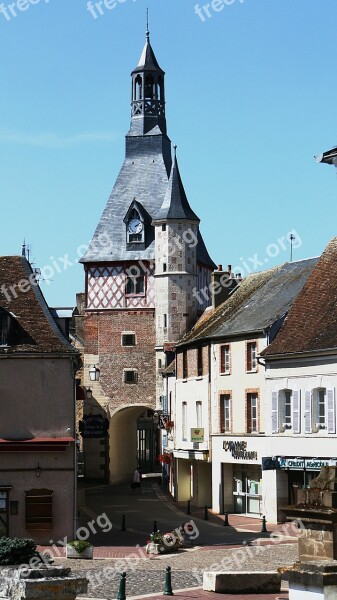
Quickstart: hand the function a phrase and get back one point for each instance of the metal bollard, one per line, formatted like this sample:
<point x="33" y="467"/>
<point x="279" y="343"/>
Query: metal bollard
<point x="226" y="522"/>
<point x="123" y="528"/>
<point x="168" y="584"/>
<point x="206" y="514"/>
<point x="121" y="592"/>
<point x="264" y="525"/>
<point x="188" y="512"/>
<point x="155" y="528"/>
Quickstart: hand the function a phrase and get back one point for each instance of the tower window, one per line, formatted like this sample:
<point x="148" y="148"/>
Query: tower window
<point x="164" y="267"/>
<point x="135" y="286"/>
<point x="128" y="339"/>
<point x="135" y="228"/>
<point x="163" y="227"/>
<point x="130" y="376"/>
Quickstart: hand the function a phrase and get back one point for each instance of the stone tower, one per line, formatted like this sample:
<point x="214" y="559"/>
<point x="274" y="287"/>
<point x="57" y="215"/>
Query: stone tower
<point x="144" y="261"/>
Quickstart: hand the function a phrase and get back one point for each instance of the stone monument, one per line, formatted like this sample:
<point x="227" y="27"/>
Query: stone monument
<point x="314" y="576"/>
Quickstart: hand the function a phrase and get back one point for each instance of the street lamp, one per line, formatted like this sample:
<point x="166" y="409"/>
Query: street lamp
<point x="94" y="373"/>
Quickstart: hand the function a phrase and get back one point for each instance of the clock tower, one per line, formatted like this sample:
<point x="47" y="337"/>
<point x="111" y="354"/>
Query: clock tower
<point x="144" y="263"/>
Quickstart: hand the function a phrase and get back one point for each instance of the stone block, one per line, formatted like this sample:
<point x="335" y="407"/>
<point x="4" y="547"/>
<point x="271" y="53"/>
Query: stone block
<point x="257" y="582"/>
<point x="43" y="583"/>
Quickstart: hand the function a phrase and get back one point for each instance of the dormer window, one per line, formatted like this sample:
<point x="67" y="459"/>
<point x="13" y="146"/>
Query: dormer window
<point x="135" y="228"/>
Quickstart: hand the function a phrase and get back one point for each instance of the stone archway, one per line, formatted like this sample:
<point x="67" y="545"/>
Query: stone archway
<point x="124" y="441"/>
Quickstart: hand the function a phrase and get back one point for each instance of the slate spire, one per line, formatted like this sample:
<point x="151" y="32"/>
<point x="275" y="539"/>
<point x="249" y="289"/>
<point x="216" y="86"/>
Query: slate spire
<point x="148" y="93"/>
<point x="176" y="205"/>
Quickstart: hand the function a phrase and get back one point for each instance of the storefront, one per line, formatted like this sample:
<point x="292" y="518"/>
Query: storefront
<point x="301" y="471"/>
<point x="247" y="489"/>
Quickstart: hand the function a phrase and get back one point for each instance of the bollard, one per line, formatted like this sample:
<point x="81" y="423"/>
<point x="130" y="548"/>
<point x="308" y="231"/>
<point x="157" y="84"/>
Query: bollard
<point x="226" y="522"/>
<point x="188" y="512"/>
<point x="123" y="528"/>
<point x="264" y="526"/>
<point x="206" y="514"/>
<point x="121" y="592"/>
<point x="155" y="528"/>
<point x="168" y="584"/>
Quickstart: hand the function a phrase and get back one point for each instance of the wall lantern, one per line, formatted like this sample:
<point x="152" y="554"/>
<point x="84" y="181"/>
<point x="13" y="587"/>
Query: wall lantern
<point x="38" y="470"/>
<point x="94" y="373"/>
<point x="88" y="392"/>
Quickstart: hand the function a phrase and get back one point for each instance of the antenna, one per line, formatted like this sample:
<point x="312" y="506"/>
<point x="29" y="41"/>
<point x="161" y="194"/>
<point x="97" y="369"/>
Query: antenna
<point x="147" y="24"/>
<point x="291" y="239"/>
<point x="23" y="252"/>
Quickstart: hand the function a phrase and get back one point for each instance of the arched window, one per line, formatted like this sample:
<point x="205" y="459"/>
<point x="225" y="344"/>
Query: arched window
<point x="149" y="87"/>
<point x="138" y="88"/>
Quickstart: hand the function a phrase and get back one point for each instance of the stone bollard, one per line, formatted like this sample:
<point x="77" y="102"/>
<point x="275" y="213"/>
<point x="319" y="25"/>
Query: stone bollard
<point x="155" y="528"/>
<point x="225" y="521"/>
<point x="188" y="512"/>
<point x="264" y="525"/>
<point x="205" y="513"/>
<point x="45" y="583"/>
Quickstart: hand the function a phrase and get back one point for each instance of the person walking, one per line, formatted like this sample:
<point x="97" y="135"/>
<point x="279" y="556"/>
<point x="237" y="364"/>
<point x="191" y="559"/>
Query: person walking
<point x="137" y="480"/>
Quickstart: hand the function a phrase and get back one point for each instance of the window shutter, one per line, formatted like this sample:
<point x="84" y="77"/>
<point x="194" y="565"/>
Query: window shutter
<point x="307" y="412"/>
<point x="227" y="359"/>
<point x="274" y="413"/>
<point x="296" y="411"/>
<point x="249" y="413"/>
<point x="331" y="410"/>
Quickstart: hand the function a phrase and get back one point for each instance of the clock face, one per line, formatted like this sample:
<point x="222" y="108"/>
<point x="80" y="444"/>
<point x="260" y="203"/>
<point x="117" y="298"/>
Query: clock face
<point x="135" y="226"/>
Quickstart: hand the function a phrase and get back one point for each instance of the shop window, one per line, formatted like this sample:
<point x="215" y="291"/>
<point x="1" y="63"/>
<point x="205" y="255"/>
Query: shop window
<point x="319" y="410"/>
<point x="225" y="359"/>
<point x="252" y="413"/>
<point x="286" y="411"/>
<point x="39" y="509"/>
<point x="225" y="413"/>
<point x="251" y="357"/>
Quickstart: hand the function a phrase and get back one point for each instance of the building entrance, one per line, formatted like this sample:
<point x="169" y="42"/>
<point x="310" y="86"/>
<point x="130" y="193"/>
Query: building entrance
<point x="148" y="443"/>
<point x="247" y="489"/>
<point x="3" y="514"/>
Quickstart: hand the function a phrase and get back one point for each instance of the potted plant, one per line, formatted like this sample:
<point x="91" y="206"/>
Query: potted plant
<point x="163" y="543"/>
<point x="79" y="549"/>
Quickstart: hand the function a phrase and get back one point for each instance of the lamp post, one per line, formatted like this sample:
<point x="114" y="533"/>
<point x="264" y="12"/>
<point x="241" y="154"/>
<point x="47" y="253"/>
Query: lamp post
<point x="94" y="373"/>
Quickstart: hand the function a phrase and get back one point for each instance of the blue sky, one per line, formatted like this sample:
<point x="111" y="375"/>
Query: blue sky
<point x="250" y="96"/>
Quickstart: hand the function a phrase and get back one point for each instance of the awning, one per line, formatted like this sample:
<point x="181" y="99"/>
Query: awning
<point x="58" y="444"/>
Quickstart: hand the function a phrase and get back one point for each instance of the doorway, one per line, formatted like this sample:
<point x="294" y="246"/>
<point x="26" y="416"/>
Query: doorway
<point x="3" y="514"/>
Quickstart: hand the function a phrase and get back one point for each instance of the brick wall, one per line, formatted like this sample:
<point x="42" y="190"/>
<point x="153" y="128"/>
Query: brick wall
<point x="103" y="332"/>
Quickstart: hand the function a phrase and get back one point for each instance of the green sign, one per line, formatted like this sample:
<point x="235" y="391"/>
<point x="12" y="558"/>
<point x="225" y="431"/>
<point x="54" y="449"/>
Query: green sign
<point x="197" y="434"/>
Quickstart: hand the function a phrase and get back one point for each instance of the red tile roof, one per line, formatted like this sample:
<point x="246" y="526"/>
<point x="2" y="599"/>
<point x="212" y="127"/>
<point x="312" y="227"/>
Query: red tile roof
<point x="311" y="324"/>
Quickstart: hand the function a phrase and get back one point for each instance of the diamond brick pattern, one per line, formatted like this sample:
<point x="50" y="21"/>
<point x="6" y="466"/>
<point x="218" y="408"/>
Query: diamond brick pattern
<point x="106" y="288"/>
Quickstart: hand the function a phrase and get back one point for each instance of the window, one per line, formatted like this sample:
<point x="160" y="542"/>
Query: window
<point x="135" y="286"/>
<point x="163" y="227"/>
<point x="5" y="321"/>
<point x="184" y="421"/>
<point x="128" y="339"/>
<point x="200" y="366"/>
<point x="225" y="359"/>
<point x="252" y="413"/>
<point x="130" y="376"/>
<point x="251" y="356"/>
<point x="39" y="509"/>
<point x="164" y="267"/>
<point x="225" y="413"/>
<point x="134" y="228"/>
<point x="165" y="321"/>
<point x="198" y="406"/>
<point x="286" y="411"/>
<point x="185" y="366"/>
<point x="319" y="410"/>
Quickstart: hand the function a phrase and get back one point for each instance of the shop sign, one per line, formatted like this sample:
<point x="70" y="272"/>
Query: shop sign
<point x="239" y="450"/>
<point x="197" y="435"/>
<point x="94" y="426"/>
<point x="311" y="464"/>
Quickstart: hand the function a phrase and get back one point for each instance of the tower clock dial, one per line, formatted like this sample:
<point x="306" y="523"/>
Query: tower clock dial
<point x="135" y="226"/>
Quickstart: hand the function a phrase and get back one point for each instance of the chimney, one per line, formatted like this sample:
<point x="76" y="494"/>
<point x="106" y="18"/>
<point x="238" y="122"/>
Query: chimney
<point x="222" y="283"/>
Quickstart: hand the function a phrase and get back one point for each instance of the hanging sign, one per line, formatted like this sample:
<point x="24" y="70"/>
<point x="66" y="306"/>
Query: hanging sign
<point x="94" y="426"/>
<point x="197" y="435"/>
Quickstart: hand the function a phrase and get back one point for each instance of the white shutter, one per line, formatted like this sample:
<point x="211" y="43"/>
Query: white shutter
<point x="331" y="410"/>
<point x="307" y="412"/>
<point x="296" y="412"/>
<point x="274" y="413"/>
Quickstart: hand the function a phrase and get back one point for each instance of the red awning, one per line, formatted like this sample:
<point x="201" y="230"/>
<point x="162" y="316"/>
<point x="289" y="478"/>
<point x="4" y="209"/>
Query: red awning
<point x="58" y="444"/>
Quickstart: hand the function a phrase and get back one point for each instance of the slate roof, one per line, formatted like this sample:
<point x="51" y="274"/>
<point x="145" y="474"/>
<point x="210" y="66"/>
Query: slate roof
<point x="37" y="329"/>
<point x="175" y="205"/>
<point x="258" y="302"/>
<point x="311" y="324"/>
<point x="329" y="157"/>
<point x="147" y="61"/>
